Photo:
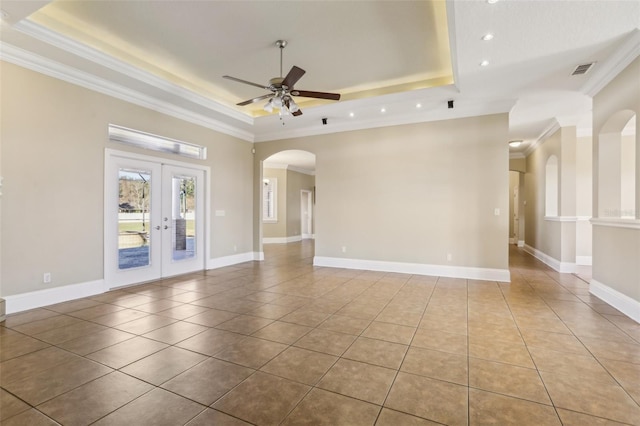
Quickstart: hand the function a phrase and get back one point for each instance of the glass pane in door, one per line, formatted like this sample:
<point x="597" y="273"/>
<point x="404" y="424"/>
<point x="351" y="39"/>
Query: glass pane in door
<point x="134" y="218"/>
<point x="183" y="207"/>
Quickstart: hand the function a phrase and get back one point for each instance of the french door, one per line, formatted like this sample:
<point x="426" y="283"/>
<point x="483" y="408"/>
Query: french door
<point x="154" y="220"/>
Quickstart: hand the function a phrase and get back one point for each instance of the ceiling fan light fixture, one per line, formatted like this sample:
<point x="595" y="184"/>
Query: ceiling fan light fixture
<point x="487" y="37"/>
<point x="293" y="107"/>
<point x="268" y="106"/>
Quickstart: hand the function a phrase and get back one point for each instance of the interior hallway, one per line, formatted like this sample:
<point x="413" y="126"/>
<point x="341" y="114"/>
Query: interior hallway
<point x="282" y="342"/>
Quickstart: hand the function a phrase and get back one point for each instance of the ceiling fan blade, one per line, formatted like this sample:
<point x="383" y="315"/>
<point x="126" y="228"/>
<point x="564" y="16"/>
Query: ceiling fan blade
<point x="258" y="99"/>
<point x="297" y="113"/>
<point x="262" y="86"/>
<point x="292" y="78"/>
<point x="319" y="95"/>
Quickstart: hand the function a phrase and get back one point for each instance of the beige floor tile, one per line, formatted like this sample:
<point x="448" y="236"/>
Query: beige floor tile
<point x="211" y="317"/>
<point x="300" y="365"/>
<point x="121" y="316"/>
<point x="345" y="324"/>
<point x="395" y="418"/>
<point x="390" y="332"/>
<point x="377" y="352"/>
<point x="14" y="344"/>
<point x="271" y="311"/>
<point x="255" y="400"/>
<point x="627" y="374"/>
<point x="554" y="341"/>
<point x="145" y="324"/>
<point x="251" y="352"/>
<point x="217" y="418"/>
<point x="305" y="317"/>
<point x="495" y="350"/>
<point x="183" y="311"/>
<point x="159" y="407"/>
<point x="81" y="407"/>
<point x="47" y="384"/>
<point x="94" y="342"/>
<point x="10" y="405"/>
<point x="123" y="353"/>
<point x="571" y="418"/>
<point x="211" y="341"/>
<point x="95" y="311"/>
<point x="47" y="324"/>
<point x="570" y="364"/>
<point x="431" y="399"/>
<point x="427" y="338"/>
<point x="322" y="408"/>
<point x="31" y="417"/>
<point x="595" y="398"/>
<point x="359" y="380"/>
<point x="282" y="332"/>
<point x="507" y="379"/>
<point x="157" y="306"/>
<point x="437" y="365"/>
<point x="490" y="408"/>
<point x="208" y="381"/>
<point x="326" y="341"/>
<point x="30" y="364"/>
<point x="14" y="320"/>
<point x="244" y="324"/>
<point x="176" y="332"/>
<point x="163" y="365"/>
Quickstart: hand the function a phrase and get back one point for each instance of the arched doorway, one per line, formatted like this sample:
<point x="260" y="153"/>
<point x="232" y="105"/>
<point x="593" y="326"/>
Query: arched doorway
<point x="288" y="198"/>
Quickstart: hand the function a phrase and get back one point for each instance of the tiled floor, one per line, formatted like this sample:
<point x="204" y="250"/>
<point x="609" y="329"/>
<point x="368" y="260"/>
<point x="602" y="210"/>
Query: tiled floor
<point x="282" y="342"/>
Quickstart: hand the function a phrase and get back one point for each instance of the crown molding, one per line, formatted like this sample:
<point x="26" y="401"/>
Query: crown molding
<point x="546" y="134"/>
<point x="617" y="62"/>
<point x="67" y="44"/>
<point x="460" y="111"/>
<point x="268" y="165"/>
<point x="516" y="155"/>
<point x="71" y="75"/>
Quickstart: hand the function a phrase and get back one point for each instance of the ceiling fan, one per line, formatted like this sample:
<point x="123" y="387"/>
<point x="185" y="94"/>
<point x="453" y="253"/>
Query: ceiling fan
<point x="282" y="91"/>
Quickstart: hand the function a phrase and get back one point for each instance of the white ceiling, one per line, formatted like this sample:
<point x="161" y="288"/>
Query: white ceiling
<point x="171" y="55"/>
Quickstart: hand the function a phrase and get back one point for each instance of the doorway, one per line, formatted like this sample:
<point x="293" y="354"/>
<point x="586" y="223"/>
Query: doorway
<point x="306" y="214"/>
<point x="154" y="219"/>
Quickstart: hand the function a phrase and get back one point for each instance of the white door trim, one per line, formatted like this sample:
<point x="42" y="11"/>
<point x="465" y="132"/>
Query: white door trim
<point x="309" y="209"/>
<point x="112" y="155"/>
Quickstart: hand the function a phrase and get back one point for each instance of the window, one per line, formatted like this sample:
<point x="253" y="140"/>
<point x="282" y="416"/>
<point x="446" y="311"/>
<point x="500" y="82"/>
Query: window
<point x="551" y="187"/>
<point x="270" y="200"/>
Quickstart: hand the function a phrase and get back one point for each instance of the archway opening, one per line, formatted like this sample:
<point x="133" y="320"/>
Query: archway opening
<point x="288" y="199"/>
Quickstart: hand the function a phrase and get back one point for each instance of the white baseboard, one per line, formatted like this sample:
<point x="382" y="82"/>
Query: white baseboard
<point x="488" y="274"/>
<point x="234" y="259"/>
<point x="625" y="304"/>
<point x="520" y="243"/>
<point x="584" y="260"/>
<point x="258" y="255"/>
<point x="564" y="267"/>
<point x="282" y="240"/>
<point x="308" y="236"/>
<point x="51" y="296"/>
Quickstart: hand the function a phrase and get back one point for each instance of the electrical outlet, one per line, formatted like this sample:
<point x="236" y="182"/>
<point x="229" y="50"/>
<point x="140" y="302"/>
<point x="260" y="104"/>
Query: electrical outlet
<point x="344" y="249"/>
<point x="46" y="278"/>
<point x="235" y="249"/>
<point x="449" y="257"/>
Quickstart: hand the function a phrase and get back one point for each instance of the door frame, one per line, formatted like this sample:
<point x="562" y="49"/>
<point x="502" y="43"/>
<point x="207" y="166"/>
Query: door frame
<point x="111" y="155"/>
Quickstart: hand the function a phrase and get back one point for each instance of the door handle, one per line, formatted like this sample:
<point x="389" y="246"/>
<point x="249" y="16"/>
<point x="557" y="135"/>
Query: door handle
<point x="158" y="227"/>
<point x="167" y="227"/>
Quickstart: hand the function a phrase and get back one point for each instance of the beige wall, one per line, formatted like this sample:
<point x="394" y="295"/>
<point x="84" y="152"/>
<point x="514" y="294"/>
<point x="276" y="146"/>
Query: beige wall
<point x="584" y="178"/>
<point x="411" y="193"/>
<point x="541" y="234"/>
<point x="54" y="136"/>
<point x="277" y="229"/>
<point x="616" y="250"/>
<point x="518" y="165"/>
<point x="296" y="182"/>
<point x="514" y="181"/>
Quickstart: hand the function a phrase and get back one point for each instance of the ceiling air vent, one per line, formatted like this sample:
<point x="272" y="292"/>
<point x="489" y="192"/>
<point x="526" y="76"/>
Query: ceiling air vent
<point x="582" y="69"/>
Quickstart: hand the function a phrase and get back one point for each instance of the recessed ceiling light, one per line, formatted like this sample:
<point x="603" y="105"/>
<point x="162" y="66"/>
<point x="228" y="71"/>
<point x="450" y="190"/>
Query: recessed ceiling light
<point x="492" y="1"/>
<point x="383" y="110"/>
<point x="487" y="37"/>
<point x="515" y="143"/>
<point x="484" y="63"/>
<point x="418" y="105"/>
<point x="351" y="114"/>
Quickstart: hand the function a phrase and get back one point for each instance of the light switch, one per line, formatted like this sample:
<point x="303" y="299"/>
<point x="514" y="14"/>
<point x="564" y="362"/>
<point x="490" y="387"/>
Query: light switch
<point x="496" y="212"/>
<point x="220" y="213"/>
